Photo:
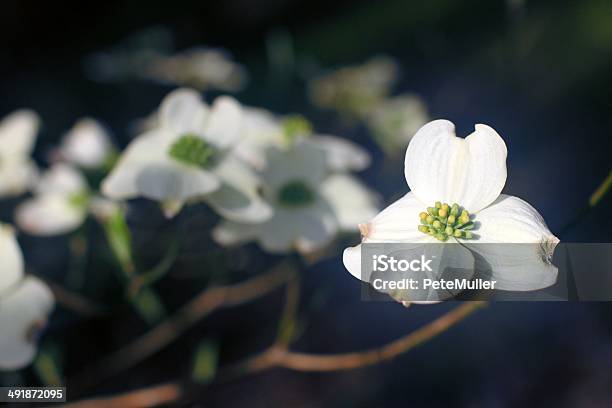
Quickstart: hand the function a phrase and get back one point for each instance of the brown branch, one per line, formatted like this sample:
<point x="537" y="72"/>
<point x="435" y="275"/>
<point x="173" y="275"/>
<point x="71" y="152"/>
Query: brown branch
<point x="146" y="397"/>
<point x="278" y="356"/>
<point x="73" y="301"/>
<point x="172" y="328"/>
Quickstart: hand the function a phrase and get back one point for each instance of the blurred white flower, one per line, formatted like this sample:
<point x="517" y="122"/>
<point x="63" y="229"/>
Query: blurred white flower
<point x="59" y="205"/>
<point x="355" y="90"/>
<point x="202" y="68"/>
<point x="188" y="157"/>
<point x="310" y="205"/>
<point x="442" y="168"/>
<point x="394" y="121"/>
<point x="17" y="138"/>
<point x="263" y="130"/>
<point x="86" y="145"/>
<point x="25" y="304"/>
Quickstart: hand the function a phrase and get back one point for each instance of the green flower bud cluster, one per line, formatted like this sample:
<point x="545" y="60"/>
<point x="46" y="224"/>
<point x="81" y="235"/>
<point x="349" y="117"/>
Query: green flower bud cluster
<point x="192" y="150"/>
<point x="295" y="194"/>
<point x="296" y="125"/>
<point x="443" y="221"/>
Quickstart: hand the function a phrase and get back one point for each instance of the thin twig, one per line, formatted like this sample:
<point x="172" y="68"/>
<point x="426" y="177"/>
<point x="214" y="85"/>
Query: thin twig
<point x="169" y="330"/>
<point x="73" y="301"/>
<point x="147" y="397"/>
<point x="278" y="356"/>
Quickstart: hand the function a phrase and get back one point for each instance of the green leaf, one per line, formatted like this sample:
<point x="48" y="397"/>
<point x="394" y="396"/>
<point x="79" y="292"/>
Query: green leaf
<point x="205" y="362"/>
<point x="47" y="365"/>
<point x="120" y="241"/>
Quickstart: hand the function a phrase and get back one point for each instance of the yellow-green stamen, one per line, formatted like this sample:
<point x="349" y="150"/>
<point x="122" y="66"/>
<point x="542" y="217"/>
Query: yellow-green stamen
<point x="443" y="220"/>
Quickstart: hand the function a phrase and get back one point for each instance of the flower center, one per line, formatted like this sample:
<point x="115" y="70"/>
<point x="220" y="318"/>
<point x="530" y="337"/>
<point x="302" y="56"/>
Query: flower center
<point x="295" y="194"/>
<point x="294" y="126"/>
<point x="192" y="150"/>
<point x="443" y="221"/>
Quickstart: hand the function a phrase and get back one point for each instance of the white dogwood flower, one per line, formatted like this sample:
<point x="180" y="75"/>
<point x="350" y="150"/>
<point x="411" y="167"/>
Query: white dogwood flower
<point x="187" y="157"/>
<point x="355" y="90"/>
<point x="86" y="145"/>
<point x="60" y="203"/>
<point x="25" y="304"/>
<point x="310" y="205"/>
<point x="395" y="120"/>
<point x="17" y="138"/>
<point x="455" y="197"/>
<point x="200" y="67"/>
<point x="263" y="130"/>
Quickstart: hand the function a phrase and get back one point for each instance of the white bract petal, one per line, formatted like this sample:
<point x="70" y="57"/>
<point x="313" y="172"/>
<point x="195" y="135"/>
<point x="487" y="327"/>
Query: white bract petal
<point x="351" y="201"/>
<point x="302" y="162"/>
<point x="306" y="230"/>
<point x="341" y="154"/>
<point x="515" y="245"/>
<point x="397" y="223"/>
<point x="17" y="175"/>
<point x="49" y="214"/>
<point x="440" y="166"/>
<point x="87" y="144"/>
<point x="261" y="130"/>
<point x="17" y="137"/>
<point x="23" y="314"/>
<point x="238" y="198"/>
<point x="182" y="112"/>
<point x="61" y="179"/>
<point x="18" y="133"/>
<point x="224" y="124"/>
<point x="11" y="267"/>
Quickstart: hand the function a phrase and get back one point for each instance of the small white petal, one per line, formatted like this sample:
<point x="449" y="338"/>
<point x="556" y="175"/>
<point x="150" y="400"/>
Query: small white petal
<point x="146" y="170"/>
<point x="182" y="111"/>
<point x="11" y="268"/>
<point x="342" y="154"/>
<point x="224" y="124"/>
<point x="87" y="144"/>
<point x="18" y="133"/>
<point x="350" y="200"/>
<point x="301" y="162"/>
<point x="261" y="130"/>
<point x="515" y="244"/>
<point x="440" y="166"/>
<point x="23" y="313"/>
<point x="397" y="223"/>
<point x="17" y="175"/>
<point x="238" y="198"/>
<point x="305" y="229"/>
<point x="61" y="179"/>
<point x="49" y="214"/>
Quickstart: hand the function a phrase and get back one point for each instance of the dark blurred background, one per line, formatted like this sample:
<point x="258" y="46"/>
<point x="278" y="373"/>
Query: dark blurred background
<point x="537" y="71"/>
